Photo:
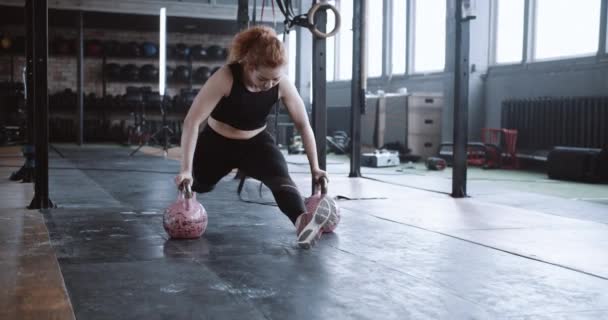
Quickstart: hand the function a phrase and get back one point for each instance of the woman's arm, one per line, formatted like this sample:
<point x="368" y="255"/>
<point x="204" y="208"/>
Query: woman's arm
<point x="218" y="85"/>
<point x="297" y="111"/>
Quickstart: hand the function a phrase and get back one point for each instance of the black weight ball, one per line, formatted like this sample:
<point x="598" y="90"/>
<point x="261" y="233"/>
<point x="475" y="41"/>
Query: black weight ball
<point x="199" y="52"/>
<point x="216" y="52"/>
<point x="112" y="48"/>
<point x="61" y="46"/>
<point x="182" y="74"/>
<point x="129" y="72"/>
<point x="202" y="74"/>
<point x="181" y="51"/>
<point x="169" y="71"/>
<point x="132" y="50"/>
<point x="93" y="48"/>
<point x="18" y="45"/>
<point x="148" y="72"/>
<point x="112" y="71"/>
<point x="149" y="49"/>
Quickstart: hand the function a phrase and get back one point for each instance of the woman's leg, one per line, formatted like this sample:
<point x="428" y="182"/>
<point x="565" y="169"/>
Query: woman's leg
<point x="214" y="157"/>
<point x="264" y="161"/>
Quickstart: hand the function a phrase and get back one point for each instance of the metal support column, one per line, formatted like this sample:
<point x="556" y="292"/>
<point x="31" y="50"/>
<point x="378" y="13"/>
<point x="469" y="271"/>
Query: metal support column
<point x="319" y="90"/>
<point x="26" y="173"/>
<point x="603" y="28"/>
<point x="41" y="109"/>
<point x="358" y="84"/>
<point x="461" y="103"/>
<point x="80" y="81"/>
<point x="529" y="31"/>
<point x="242" y="15"/>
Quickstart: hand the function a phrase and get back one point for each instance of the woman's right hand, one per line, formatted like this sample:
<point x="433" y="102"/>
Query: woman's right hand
<point x="183" y="176"/>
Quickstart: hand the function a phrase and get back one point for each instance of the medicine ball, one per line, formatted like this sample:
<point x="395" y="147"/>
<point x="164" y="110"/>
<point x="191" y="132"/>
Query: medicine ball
<point x="169" y="71"/>
<point x="129" y="72"/>
<point x="5" y="43"/>
<point x="202" y="74"/>
<point x="216" y="52"/>
<point x="93" y="48"/>
<point x="18" y="45"/>
<point x="148" y="72"/>
<point x="112" y="71"/>
<point x="112" y="48"/>
<point x="182" y="74"/>
<point x="132" y="49"/>
<point x="181" y="51"/>
<point x="199" y="52"/>
<point x="61" y="46"/>
<point x="149" y="49"/>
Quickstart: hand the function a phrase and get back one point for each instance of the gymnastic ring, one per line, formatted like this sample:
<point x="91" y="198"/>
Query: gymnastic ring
<point x="311" y="19"/>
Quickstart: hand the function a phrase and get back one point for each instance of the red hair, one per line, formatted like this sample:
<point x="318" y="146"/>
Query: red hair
<point x="258" y="46"/>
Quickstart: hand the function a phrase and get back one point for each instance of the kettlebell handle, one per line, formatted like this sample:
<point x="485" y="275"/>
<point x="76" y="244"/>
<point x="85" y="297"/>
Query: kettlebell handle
<point x="186" y="188"/>
<point x="322" y="182"/>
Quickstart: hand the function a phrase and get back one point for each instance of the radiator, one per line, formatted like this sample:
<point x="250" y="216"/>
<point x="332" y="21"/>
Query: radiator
<point x="543" y="123"/>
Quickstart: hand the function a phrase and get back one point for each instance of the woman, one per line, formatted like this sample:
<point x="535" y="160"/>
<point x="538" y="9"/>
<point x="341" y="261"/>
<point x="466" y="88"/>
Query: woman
<point x="236" y="101"/>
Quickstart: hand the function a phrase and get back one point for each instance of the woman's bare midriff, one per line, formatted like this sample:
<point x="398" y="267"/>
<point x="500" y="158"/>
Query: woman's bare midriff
<point x="231" y="132"/>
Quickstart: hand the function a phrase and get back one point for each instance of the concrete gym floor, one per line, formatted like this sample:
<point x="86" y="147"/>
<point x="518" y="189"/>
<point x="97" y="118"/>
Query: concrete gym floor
<point x="521" y="247"/>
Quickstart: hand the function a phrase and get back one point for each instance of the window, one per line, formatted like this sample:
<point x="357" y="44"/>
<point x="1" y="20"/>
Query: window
<point x="509" y="31"/>
<point x="374" y="38"/>
<point x="429" y="35"/>
<point x="566" y="28"/>
<point x="292" y="45"/>
<point x="345" y="41"/>
<point x="399" y="32"/>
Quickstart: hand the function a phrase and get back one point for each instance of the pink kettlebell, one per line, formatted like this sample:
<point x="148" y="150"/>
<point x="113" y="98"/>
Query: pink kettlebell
<point x="186" y="218"/>
<point x="313" y="202"/>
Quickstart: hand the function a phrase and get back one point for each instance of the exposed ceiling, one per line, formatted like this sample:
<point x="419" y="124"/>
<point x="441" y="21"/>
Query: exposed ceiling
<point x="14" y="15"/>
<point x="206" y="9"/>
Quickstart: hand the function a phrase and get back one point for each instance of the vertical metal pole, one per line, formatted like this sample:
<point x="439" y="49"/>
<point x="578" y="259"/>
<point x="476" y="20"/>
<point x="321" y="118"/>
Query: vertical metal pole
<point x="304" y="60"/>
<point x="80" y="81"/>
<point x="242" y="16"/>
<point x="529" y="30"/>
<point x="409" y="36"/>
<point x="104" y="79"/>
<point x="603" y="26"/>
<point x="12" y="70"/>
<point x="358" y="85"/>
<point x="387" y="22"/>
<point x="41" y="117"/>
<point x="26" y="173"/>
<point x="319" y="80"/>
<point x="29" y="65"/>
<point x="461" y="97"/>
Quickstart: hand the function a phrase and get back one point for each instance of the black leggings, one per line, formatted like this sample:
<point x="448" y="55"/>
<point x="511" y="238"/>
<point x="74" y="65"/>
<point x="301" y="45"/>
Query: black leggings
<point x="215" y="156"/>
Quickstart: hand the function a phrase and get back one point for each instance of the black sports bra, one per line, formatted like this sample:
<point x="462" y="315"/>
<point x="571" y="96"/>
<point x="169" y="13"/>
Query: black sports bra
<point x="243" y="109"/>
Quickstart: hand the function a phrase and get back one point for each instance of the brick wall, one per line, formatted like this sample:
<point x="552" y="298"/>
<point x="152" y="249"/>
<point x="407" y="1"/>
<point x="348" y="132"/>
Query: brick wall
<point x="62" y="69"/>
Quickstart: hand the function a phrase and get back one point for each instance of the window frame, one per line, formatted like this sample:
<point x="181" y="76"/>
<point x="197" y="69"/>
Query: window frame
<point x="410" y="66"/>
<point x="530" y="34"/>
